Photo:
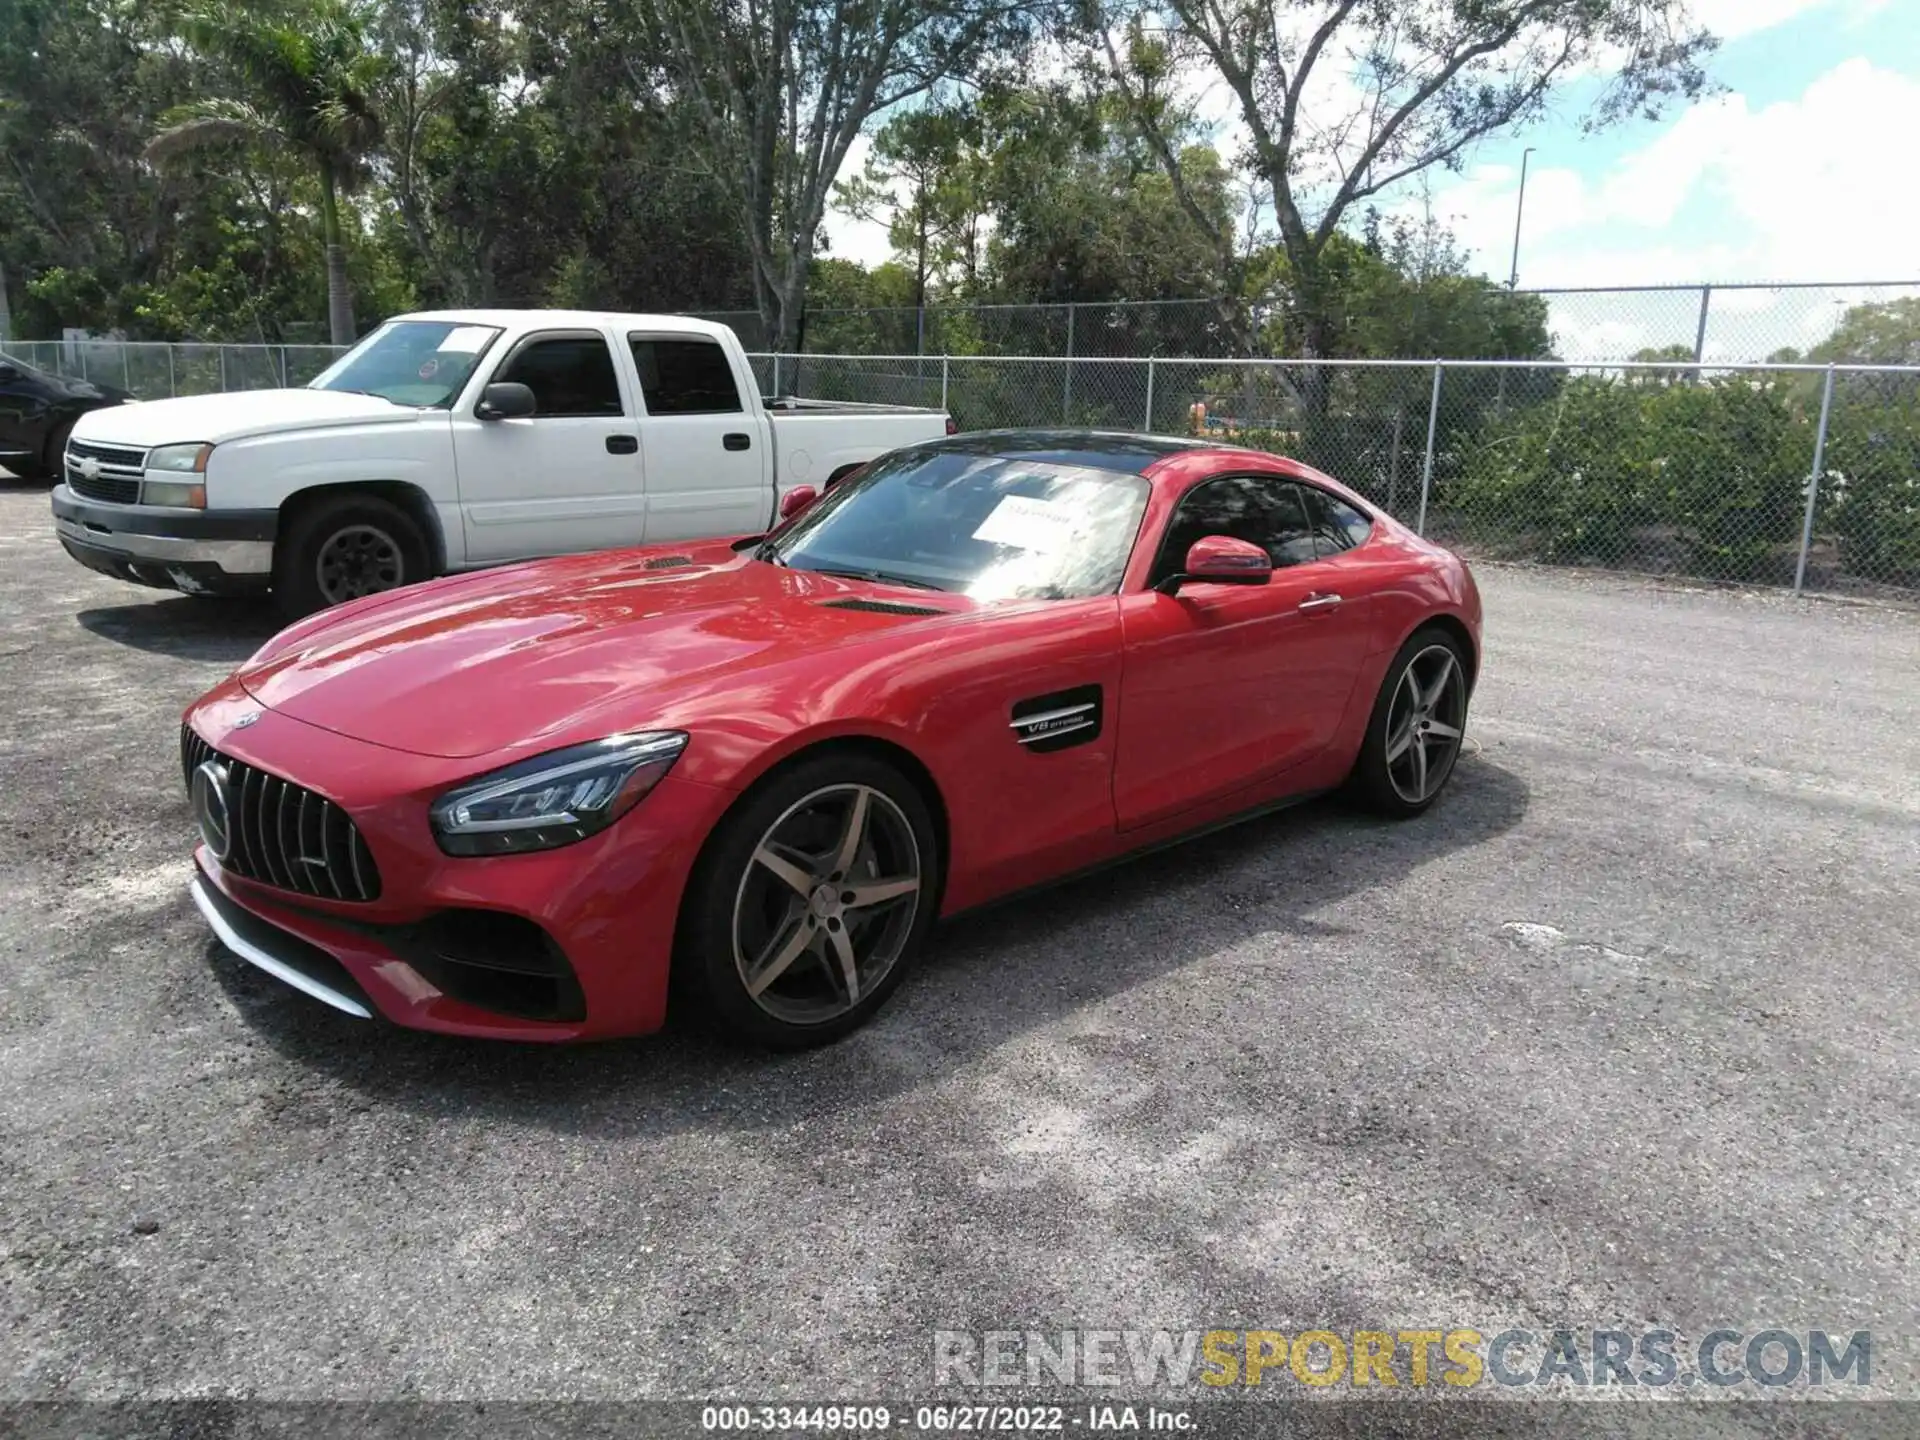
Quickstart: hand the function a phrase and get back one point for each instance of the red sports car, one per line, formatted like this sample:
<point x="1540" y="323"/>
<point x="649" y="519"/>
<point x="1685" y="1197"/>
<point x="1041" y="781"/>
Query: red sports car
<point x="516" y="803"/>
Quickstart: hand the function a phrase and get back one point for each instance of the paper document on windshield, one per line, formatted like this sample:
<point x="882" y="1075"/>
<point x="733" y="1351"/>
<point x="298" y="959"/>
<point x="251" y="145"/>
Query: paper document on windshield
<point x="1029" y="524"/>
<point x="466" y="340"/>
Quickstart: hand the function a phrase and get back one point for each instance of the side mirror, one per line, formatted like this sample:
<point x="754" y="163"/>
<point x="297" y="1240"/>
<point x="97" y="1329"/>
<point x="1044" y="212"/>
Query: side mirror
<point x="505" y="400"/>
<point x="796" y="500"/>
<point x="1221" y="560"/>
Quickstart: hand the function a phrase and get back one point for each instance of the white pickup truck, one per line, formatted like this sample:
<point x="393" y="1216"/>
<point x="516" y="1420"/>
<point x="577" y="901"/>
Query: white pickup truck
<point x="453" y="439"/>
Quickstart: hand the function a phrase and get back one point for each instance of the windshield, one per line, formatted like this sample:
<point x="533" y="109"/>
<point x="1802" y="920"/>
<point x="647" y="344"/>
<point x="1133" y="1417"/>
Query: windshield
<point x="411" y="362"/>
<point x="992" y="527"/>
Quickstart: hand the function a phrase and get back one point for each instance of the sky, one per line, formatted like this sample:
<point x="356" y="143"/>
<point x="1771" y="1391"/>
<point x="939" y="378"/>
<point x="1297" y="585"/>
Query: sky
<point x="1804" y="168"/>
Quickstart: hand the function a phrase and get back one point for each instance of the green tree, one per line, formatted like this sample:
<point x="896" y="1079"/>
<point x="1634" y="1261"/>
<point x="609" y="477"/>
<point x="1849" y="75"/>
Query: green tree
<point x="783" y="87"/>
<point x="301" y="81"/>
<point x="1344" y="100"/>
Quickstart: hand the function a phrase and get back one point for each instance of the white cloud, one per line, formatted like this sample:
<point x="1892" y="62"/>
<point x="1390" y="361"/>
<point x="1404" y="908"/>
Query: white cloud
<point x="1795" y="190"/>
<point x="851" y="239"/>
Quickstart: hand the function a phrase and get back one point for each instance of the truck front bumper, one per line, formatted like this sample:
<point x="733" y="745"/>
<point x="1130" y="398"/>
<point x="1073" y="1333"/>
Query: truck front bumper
<point x="218" y="552"/>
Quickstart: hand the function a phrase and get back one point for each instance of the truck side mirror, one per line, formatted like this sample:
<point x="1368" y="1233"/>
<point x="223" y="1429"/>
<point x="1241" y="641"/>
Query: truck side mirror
<point x="505" y="400"/>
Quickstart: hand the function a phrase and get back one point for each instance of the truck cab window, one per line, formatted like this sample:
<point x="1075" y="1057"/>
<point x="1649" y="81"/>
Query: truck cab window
<point x="685" y="377"/>
<point x="569" y="375"/>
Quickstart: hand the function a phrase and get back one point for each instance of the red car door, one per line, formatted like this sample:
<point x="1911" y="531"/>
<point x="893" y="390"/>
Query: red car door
<point x="1226" y="685"/>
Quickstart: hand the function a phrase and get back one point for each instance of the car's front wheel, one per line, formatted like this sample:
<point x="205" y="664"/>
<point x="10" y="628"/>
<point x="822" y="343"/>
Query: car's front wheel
<point x="810" y="902"/>
<point x="1419" y="720"/>
<point x="342" y="548"/>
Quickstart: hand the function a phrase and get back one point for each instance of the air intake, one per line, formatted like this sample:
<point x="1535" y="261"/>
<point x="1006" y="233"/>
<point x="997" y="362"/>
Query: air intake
<point x="668" y="562"/>
<point x="880" y="607"/>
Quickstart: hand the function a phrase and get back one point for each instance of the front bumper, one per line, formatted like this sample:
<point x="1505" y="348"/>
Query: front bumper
<point x="609" y="904"/>
<point x="218" y="552"/>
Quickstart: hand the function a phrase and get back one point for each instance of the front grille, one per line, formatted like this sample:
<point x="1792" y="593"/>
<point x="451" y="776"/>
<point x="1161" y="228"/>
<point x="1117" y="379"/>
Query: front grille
<point x="284" y="835"/>
<point x="118" y="478"/>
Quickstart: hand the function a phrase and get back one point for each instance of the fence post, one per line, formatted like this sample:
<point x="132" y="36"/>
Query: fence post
<point x="126" y="371"/>
<point x="285" y="382"/>
<point x="776" y="374"/>
<point x="946" y="364"/>
<point x="1813" y="482"/>
<point x="1700" y="334"/>
<point x="1149" y="424"/>
<point x="1433" y="425"/>
<point x="223" y="368"/>
<point x="173" y="382"/>
<point x="1066" y="392"/>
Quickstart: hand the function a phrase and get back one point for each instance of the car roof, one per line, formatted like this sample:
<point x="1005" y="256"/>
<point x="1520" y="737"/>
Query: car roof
<point x="1094" y="449"/>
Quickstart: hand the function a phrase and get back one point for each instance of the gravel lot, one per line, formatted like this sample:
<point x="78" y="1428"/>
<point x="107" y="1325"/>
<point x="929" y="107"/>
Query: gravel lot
<point x="1624" y="1032"/>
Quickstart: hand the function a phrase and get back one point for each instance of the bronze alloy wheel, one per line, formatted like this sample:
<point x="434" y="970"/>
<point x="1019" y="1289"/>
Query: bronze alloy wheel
<point x="826" y="904"/>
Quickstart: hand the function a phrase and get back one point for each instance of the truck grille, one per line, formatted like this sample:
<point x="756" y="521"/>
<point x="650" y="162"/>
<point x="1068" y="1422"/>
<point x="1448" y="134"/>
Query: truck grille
<point x="118" y="478"/>
<point x="284" y="835"/>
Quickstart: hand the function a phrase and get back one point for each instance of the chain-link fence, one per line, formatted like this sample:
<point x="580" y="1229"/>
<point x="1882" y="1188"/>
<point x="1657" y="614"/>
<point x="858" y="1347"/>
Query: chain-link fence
<point x="156" y="370"/>
<point x="1731" y="323"/>
<point x="1659" y="468"/>
<point x="1671" y="468"/>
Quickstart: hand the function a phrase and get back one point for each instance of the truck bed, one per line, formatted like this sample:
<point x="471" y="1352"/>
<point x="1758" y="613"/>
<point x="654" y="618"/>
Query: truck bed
<point x="778" y="405"/>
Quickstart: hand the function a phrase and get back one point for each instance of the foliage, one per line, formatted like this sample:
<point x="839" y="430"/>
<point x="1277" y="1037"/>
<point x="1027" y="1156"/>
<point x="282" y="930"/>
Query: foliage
<point x="782" y="88"/>
<point x="1341" y="101"/>
<point x="1720" y="466"/>
<point x="1871" y="480"/>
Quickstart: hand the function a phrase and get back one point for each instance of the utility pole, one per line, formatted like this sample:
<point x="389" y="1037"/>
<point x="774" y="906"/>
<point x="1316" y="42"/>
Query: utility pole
<point x="1519" y="209"/>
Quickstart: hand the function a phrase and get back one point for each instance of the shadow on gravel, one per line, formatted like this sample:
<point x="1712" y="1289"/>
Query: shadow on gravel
<point x="192" y="627"/>
<point x="985" y="979"/>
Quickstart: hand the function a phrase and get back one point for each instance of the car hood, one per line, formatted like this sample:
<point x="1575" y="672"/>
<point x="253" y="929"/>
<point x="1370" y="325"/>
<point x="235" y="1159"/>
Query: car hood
<point x="233" y="416"/>
<point x="541" y="655"/>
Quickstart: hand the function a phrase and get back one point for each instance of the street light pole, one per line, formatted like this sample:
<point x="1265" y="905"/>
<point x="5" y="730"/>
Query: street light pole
<point x="1519" y="209"/>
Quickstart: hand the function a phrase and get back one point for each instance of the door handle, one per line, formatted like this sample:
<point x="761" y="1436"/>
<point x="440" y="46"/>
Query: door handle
<point x="737" y="440"/>
<point x="1315" y="604"/>
<point x="622" y="444"/>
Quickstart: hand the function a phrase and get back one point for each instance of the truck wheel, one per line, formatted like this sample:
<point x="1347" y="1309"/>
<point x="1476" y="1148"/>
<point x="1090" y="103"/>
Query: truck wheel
<point x="343" y="548"/>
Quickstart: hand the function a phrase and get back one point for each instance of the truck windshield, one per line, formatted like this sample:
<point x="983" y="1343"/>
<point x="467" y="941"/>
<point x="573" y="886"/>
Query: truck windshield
<point x="988" y="526"/>
<point x="411" y="362"/>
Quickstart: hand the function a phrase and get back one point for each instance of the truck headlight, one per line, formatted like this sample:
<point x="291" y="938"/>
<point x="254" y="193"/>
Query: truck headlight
<point x="174" y="492"/>
<point x="191" y="459"/>
<point x="556" y="798"/>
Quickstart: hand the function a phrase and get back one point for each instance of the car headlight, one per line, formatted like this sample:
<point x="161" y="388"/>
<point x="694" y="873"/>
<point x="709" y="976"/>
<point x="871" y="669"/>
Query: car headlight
<point x="189" y="459"/>
<point x="556" y="798"/>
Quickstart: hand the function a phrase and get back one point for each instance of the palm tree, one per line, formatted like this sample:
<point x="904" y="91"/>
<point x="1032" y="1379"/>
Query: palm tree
<point x="302" y="87"/>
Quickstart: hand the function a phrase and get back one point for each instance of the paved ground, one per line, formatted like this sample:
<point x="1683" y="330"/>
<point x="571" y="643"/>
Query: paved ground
<point x="1626" y="1031"/>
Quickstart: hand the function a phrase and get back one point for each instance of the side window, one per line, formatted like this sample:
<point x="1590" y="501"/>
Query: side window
<point x="1263" y="509"/>
<point x="1337" y="525"/>
<point x="569" y="375"/>
<point x="685" y="377"/>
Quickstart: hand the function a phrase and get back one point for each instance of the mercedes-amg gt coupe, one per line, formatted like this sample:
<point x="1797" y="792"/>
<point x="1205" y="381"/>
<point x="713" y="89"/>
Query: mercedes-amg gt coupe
<point x="532" y="802"/>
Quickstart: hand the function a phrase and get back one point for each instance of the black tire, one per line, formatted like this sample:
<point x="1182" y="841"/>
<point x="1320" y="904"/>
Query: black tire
<point x="710" y="970"/>
<point x="1383" y="781"/>
<point x="349" y="530"/>
<point x="53" y="456"/>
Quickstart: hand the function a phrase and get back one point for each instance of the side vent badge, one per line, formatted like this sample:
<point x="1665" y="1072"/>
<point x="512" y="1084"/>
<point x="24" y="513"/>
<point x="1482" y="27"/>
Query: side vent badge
<point x="1046" y="723"/>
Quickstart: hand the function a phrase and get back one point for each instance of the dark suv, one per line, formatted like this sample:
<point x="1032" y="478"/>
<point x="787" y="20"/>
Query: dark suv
<point x="37" y="410"/>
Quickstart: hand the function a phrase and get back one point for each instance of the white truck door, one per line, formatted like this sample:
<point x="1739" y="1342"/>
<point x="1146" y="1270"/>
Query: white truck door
<point x="568" y="477"/>
<point x="709" y="452"/>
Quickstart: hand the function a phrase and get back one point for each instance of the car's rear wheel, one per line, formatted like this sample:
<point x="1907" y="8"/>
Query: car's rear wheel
<point x="810" y="902"/>
<point x="343" y="548"/>
<point x="1418" y="723"/>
